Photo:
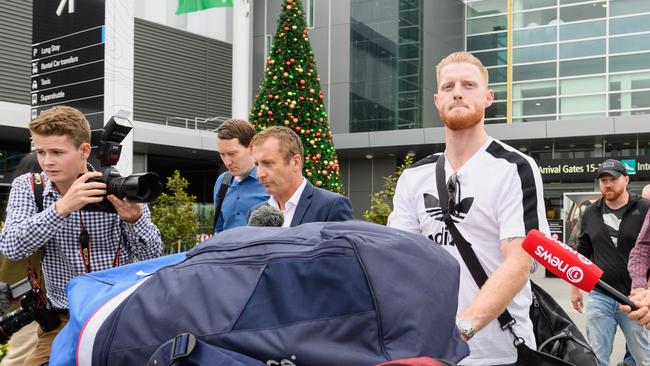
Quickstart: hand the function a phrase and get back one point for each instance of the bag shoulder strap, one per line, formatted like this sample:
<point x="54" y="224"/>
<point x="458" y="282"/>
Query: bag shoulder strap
<point x="38" y="185"/>
<point x="221" y="194"/>
<point x="464" y="248"/>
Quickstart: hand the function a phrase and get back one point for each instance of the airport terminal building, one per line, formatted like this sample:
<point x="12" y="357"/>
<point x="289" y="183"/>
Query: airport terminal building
<point x="571" y="79"/>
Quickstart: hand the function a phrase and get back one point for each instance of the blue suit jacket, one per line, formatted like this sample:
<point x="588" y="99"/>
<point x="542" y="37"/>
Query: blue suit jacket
<point x="317" y="204"/>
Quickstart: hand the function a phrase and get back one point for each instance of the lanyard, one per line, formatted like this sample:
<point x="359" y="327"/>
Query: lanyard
<point x="84" y="247"/>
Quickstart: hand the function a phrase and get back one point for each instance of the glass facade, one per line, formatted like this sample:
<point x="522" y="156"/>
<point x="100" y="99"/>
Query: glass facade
<point x="385" y="65"/>
<point x="571" y="59"/>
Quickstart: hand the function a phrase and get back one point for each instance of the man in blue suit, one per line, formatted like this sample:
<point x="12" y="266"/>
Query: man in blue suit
<point x="278" y="155"/>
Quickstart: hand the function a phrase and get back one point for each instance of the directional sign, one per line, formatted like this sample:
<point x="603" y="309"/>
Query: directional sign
<point x="67" y="64"/>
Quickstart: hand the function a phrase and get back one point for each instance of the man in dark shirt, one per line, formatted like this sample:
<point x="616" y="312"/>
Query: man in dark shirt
<point x="609" y="229"/>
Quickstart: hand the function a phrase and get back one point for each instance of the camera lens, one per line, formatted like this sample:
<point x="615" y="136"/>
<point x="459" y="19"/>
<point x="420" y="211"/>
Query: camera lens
<point x="143" y="187"/>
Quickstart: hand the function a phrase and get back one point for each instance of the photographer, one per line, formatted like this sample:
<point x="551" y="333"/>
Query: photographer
<point x="74" y="241"/>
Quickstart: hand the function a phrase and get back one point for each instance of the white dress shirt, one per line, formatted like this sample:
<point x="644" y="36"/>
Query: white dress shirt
<point x="290" y="206"/>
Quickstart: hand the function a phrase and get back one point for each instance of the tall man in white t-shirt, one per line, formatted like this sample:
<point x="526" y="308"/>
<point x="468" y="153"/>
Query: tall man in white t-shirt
<point x="499" y="198"/>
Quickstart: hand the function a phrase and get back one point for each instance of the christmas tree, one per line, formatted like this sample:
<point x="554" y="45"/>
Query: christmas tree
<point x="290" y="95"/>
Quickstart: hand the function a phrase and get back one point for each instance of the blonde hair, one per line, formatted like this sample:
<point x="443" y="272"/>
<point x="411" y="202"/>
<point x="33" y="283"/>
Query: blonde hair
<point x="60" y="121"/>
<point x="462" y="57"/>
<point x="289" y="141"/>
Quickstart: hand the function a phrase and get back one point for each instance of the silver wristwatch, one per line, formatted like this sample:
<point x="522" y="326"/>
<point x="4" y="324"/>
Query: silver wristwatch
<point x="466" y="328"/>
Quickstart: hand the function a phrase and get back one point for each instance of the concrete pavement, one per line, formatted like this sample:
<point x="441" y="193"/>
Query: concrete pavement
<point x="561" y="291"/>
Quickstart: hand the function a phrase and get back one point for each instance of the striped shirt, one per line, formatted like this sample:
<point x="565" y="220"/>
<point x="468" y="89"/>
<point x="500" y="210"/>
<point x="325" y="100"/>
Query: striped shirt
<point x="639" y="261"/>
<point x="26" y="231"/>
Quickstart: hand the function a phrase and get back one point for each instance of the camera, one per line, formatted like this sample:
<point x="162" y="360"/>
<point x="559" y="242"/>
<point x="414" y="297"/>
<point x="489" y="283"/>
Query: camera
<point x="141" y="188"/>
<point x="33" y="306"/>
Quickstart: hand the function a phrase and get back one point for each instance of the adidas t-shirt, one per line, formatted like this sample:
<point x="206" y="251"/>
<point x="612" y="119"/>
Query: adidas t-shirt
<point x="501" y="197"/>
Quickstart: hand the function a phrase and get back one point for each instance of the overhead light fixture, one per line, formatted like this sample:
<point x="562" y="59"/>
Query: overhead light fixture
<point x="523" y="148"/>
<point x="626" y="144"/>
<point x="547" y="147"/>
<point x="572" y="145"/>
<point x="411" y="153"/>
<point x="598" y="145"/>
<point x="538" y="104"/>
<point x="369" y="156"/>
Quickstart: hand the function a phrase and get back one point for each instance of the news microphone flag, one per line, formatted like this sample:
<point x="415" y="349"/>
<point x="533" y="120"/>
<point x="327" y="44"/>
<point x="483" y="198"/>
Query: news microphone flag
<point x="566" y="263"/>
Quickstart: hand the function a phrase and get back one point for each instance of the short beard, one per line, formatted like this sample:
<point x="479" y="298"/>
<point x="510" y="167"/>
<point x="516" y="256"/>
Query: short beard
<point x="461" y="122"/>
<point x="613" y="194"/>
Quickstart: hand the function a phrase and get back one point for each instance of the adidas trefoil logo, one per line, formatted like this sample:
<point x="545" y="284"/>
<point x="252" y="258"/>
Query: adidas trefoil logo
<point x="432" y="207"/>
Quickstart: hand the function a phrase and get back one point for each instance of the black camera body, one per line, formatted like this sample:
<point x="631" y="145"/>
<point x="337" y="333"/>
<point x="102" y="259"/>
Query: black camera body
<point x="141" y="188"/>
<point x="33" y="306"/>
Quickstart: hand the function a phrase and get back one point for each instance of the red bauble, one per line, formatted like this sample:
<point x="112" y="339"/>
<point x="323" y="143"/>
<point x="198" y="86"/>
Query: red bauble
<point x="298" y="128"/>
<point x="270" y="96"/>
<point x="286" y="29"/>
<point x="292" y="60"/>
<point x="270" y="113"/>
<point x="317" y="134"/>
<point x="302" y="82"/>
<point x="308" y="132"/>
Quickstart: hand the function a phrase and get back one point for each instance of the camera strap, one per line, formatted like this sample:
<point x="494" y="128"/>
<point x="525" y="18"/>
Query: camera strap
<point x="84" y="247"/>
<point x="84" y="244"/>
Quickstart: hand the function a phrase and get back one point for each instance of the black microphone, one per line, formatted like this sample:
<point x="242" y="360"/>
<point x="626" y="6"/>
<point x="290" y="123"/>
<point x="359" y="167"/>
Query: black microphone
<point x="266" y="215"/>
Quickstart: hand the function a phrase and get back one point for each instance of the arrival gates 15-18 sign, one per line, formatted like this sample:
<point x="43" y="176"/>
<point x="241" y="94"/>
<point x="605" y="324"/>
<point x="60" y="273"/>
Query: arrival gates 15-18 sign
<point x="585" y="169"/>
<point x="67" y="65"/>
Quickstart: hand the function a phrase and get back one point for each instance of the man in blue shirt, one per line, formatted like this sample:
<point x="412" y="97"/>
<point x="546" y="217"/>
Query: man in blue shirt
<point x="244" y="191"/>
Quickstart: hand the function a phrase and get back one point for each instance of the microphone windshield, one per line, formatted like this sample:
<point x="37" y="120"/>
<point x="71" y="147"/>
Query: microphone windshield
<point x="564" y="261"/>
<point x="266" y="215"/>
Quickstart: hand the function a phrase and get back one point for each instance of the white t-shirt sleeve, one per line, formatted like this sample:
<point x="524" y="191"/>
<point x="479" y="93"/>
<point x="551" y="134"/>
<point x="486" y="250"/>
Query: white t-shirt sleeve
<point x="516" y="202"/>
<point x="404" y="215"/>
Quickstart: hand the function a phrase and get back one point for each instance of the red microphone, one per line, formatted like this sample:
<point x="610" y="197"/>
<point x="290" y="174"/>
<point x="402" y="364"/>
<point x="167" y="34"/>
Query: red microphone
<point x="566" y="263"/>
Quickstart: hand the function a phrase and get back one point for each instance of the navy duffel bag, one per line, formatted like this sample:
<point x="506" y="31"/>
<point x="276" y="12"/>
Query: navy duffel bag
<point x="346" y="293"/>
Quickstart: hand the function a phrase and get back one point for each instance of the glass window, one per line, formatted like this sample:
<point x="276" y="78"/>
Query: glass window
<point x="582" y="67"/>
<point x="629" y="100"/>
<point x="533" y="107"/>
<point x="496" y="110"/>
<point x="565" y="2"/>
<point x="532" y="4"/>
<point x="309" y="13"/>
<point x="534" y="18"/>
<point x="533" y="54"/>
<point x="532" y="36"/>
<point x="500" y="91"/>
<point x="640" y="23"/>
<point x="584" y="104"/>
<point x="583" y="116"/>
<point x="533" y="119"/>
<point x="622" y="7"/>
<point x="531" y="72"/>
<point x="534" y="90"/>
<point x="629" y="81"/>
<point x="583" y="12"/>
<point x="493" y="58"/>
<point x="498" y="74"/>
<point x="629" y="62"/>
<point x="484" y="25"/>
<point x="409" y="34"/>
<point x="640" y="42"/>
<point x="582" y="85"/>
<point x="487" y="7"/>
<point x="487" y="41"/>
<point x="582" y="30"/>
<point x="592" y="47"/>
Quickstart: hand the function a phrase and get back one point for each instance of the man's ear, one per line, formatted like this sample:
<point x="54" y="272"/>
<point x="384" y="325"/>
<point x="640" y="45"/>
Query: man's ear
<point x="85" y="150"/>
<point x="297" y="159"/>
<point x="489" y="98"/>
